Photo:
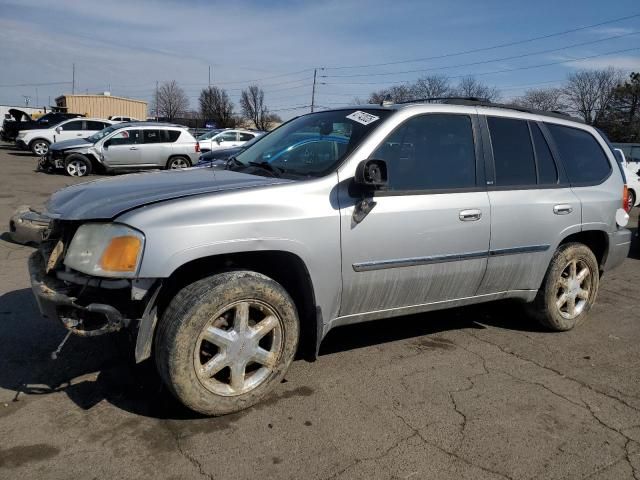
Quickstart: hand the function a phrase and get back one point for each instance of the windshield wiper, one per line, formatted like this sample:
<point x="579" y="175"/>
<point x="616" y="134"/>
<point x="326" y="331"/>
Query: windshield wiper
<point x="268" y="167"/>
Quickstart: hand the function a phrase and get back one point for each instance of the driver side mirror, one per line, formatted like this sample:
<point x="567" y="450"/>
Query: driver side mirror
<point x="106" y="144"/>
<point x="372" y="174"/>
<point x="59" y="129"/>
<point x="219" y="140"/>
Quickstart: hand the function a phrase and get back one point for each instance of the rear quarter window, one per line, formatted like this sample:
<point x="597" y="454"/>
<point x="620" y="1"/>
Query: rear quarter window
<point x="582" y="156"/>
<point x="173" y="135"/>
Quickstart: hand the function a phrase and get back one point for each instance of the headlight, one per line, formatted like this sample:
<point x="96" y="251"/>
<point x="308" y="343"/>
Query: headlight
<point x="105" y="250"/>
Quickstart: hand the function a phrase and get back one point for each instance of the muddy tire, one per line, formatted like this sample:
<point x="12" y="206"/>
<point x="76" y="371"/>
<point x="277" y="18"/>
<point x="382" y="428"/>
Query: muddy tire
<point x="226" y="341"/>
<point x="569" y="288"/>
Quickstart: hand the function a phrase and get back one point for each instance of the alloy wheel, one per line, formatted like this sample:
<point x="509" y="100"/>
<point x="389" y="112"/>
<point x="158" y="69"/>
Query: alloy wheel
<point x="573" y="289"/>
<point x="239" y="348"/>
<point x="177" y="163"/>
<point x="76" y="168"/>
<point x="40" y="148"/>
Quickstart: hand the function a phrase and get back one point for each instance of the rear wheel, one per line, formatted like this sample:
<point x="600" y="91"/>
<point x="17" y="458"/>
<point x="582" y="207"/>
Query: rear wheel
<point x="569" y="289"/>
<point x="176" y="163"/>
<point x="226" y="341"/>
<point x="631" y="200"/>
<point x="77" y="165"/>
<point x="39" y="147"/>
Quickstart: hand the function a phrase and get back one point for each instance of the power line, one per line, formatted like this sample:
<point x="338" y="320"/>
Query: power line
<point x="35" y="84"/>
<point x="579" y="59"/>
<point x="493" y="47"/>
<point x="512" y="57"/>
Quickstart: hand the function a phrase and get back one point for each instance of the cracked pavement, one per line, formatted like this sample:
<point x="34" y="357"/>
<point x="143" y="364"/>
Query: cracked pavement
<point x="472" y="393"/>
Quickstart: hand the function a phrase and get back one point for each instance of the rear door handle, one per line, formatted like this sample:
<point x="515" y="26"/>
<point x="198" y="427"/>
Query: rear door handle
<point x="562" y="209"/>
<point x="133" y="148"/>
<point x="470" y="215"/>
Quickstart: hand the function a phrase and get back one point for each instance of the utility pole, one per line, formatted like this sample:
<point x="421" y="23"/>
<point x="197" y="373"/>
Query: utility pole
<point x="27" y="99"/>
<point x="313" y="90"/>
<point x="209" y="76"/>
<point x="73" y="80"/>
<point x="37" y="99"/>
<point x="157" y="107"/>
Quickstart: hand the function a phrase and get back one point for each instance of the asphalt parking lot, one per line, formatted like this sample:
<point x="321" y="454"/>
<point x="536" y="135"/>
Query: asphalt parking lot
<point x="469" y="393"/>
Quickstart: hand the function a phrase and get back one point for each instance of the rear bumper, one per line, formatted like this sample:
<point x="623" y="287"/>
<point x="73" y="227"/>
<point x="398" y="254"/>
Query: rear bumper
<point x="619" y="245"/>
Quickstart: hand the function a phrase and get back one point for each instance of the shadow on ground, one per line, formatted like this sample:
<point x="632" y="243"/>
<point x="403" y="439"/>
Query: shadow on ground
<point x="90" y="370"/>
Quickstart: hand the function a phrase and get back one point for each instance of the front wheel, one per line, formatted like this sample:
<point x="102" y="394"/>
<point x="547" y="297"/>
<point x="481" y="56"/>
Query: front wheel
<point x="631" y="200"/>
<point x="569" y="289"/>
<point x="226" y="341"/>
<point x="77" y="165"/>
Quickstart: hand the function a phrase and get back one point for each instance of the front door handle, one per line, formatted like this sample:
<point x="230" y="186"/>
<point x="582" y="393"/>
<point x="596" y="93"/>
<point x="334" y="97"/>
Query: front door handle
<point x="133" y="148"/>
<point x="562" y="209"/>
<point x="470" y="215"/>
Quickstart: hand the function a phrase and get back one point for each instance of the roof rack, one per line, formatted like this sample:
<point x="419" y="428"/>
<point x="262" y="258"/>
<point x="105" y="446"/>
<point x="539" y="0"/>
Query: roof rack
<point x="483" y="102"/>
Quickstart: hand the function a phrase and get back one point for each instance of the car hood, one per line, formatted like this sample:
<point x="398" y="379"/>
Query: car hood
<point x="72" y="143"/>
<point x="108" y="198"/>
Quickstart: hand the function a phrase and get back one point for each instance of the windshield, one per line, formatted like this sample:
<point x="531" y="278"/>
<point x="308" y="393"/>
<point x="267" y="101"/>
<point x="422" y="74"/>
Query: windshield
<point x="208" y="135"/>
<point x="102" y="133"/>
<point x="312" y="145"/>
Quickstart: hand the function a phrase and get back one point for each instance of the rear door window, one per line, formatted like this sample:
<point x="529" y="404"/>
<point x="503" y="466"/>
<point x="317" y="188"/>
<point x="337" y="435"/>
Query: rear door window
<point x="92" y="125"/>
<point x="584" y="160"/>
<point x="512" y="152"/>
<point x="72" y="126"/>
<point x="245" y="137"/>
<point x="152" y="136"/>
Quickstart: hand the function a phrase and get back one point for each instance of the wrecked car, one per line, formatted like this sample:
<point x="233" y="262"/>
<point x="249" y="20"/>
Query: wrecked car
<point x="224" y="275"/>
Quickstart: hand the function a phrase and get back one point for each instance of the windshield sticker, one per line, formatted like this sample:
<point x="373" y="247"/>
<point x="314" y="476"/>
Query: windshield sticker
<point x="362" y="117"/>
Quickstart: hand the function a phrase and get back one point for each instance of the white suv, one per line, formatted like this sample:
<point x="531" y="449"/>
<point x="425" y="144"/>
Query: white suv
<point x="218" y="139"/>
<point x="38" y="140"/>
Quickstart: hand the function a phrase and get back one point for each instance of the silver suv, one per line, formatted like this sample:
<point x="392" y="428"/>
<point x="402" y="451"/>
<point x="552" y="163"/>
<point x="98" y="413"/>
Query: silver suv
<point x="124" y="146"/>
<point x="334" y="218"/>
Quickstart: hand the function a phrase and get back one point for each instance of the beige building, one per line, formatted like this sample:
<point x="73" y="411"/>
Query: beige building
<point x="103" y="105"/>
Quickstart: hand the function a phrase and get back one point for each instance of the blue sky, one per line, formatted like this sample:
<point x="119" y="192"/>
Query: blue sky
<point x="128" y="45"/>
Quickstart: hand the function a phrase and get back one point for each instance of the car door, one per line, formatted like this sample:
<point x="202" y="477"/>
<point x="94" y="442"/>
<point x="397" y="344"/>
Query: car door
<point x="426" y="238"/>
<point x="224" y="140"/>
<point x="155" y="148"/>
<point x="70" y="130"/>
<point x="122" y="149"/>
<point x="532" y="204"/>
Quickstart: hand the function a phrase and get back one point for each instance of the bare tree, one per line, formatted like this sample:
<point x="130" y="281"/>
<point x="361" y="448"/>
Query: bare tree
<point x="254" y="108"/>
<point x="590" y="92"/>
<point x="431" y="86"/>
<point x="469" y="86"/>
<point x="397" y="93"/>
<point x="170" y="101"/>
<point x="215" y="105"/>
<point x="542" y="99"/>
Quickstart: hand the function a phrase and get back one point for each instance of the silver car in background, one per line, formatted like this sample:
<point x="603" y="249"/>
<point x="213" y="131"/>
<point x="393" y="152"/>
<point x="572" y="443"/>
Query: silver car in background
<point x="125" y="146"/>
<point x="334" y="218"/>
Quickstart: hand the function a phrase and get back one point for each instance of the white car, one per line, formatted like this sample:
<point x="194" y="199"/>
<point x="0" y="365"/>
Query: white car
<point x="38" y="140"/>
<point x="227" y="138"/>
<point x="118" y="118"/>
<point x="633" y="181"/>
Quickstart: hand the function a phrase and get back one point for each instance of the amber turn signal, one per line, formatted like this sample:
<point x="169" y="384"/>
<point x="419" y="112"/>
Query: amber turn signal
<point x="121" y="255"/>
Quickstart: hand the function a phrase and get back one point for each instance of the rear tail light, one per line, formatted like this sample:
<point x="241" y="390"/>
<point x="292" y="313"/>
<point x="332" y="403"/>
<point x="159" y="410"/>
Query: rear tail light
<point x="198" y="151"/>
<point x="625" y="199"/>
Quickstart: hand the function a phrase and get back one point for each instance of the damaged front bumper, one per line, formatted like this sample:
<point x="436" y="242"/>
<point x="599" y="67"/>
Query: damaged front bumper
<point x="58" y="300"/>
